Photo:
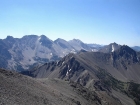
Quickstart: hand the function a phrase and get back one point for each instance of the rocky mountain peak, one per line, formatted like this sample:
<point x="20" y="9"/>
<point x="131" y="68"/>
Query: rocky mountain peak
<point x="77" y="40"/>
<point x="43" y="37"/>
<point x="59" y="39"/>
<point x="45" y="41"/>
<point x="126" y="53"/>
<point x="126" y="50"/>
<point x="9" y="41"/>
<point x="9" y="37"/>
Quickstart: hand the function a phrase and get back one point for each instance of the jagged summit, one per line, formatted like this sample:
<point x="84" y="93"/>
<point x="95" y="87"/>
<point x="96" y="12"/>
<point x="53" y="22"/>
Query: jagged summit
<point x="126" y="53"/>
<point x="126" y="49"/>
<point x="45" y="41"/>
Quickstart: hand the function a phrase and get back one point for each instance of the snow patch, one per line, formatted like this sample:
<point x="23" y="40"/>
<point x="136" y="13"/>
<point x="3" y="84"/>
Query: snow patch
<point x="73" y="52"/>
<point x="67" y="73"/>
<point x="94" y="50"/>
<point x="39" y="38"/>
<point x="51" y="54"/>
<point x="63" y="63"/>
<point x="112" y="48"/>
<point x="57" y="63"/>
<point x="69" y="70"/>
<point x="137" y="58"/>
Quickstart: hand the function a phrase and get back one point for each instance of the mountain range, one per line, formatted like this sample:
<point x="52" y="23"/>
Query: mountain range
<point x="21" y="53"/>
<point x="116" y="72"/>
<point x="68" y="72"/>
<point x="30" y="50"/>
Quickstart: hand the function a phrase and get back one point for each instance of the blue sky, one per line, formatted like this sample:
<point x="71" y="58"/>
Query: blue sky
<point x="92" y="21"/>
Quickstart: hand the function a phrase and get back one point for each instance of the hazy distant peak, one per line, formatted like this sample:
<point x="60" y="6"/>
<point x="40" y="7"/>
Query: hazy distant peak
<point x="59" y="40"/>
<point x="113" y="43"/>
<point x="77" y="40"/>
<point x="136" y="48"/>
<point x="45" y="37"/>
<point x="9" y="37"/>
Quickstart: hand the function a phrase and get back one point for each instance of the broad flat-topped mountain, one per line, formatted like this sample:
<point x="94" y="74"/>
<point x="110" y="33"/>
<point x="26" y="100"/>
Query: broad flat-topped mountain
<point x="22" y="53"/>
<point x="17" y="89"/>
<point x="118" y="70"/>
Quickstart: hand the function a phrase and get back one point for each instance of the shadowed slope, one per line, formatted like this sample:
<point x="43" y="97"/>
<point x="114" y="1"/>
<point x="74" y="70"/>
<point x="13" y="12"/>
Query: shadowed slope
<point x="16" y="89"/>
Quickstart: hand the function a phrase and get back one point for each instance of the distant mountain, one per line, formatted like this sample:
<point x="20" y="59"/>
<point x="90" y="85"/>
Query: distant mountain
<point x="23" y="53"/>
<point x="67" y="48"/>
<point x="78" y="45"/>
<point x="95" y="47"/>
<point x="136" y="48"/>
<point x="116" y="71"/>
<point x="110" y="48"/>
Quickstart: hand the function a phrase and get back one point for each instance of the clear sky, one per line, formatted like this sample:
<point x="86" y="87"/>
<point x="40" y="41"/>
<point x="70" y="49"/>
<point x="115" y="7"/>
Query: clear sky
<point x="92" y="21"/>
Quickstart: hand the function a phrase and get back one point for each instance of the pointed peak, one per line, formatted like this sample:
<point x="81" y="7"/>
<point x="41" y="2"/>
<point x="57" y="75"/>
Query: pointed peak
<point x="113" y="43"/>
<point x="43" y="36"/>
<point x="76" y="40"/>
<point x="45" y="41"/>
